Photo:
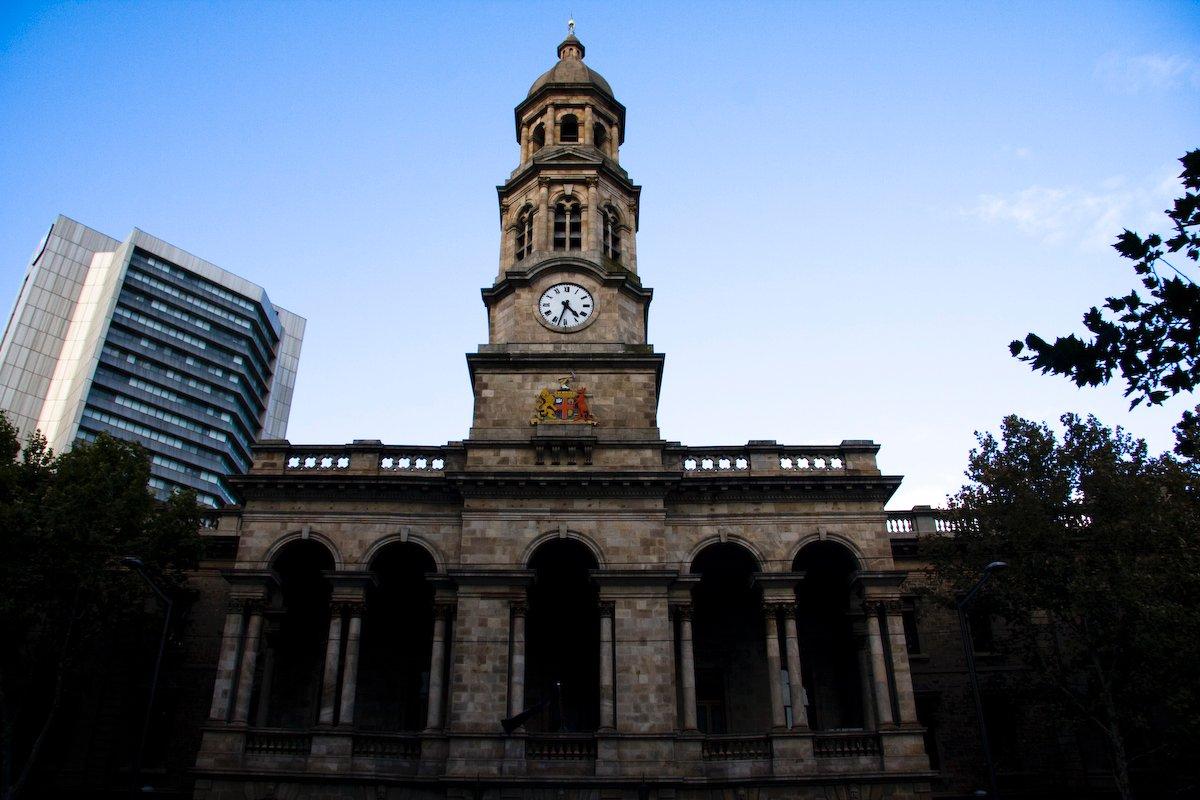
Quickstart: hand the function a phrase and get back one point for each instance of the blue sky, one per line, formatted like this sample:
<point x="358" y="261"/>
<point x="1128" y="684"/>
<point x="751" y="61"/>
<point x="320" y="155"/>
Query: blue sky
<point x="848" y="210"/>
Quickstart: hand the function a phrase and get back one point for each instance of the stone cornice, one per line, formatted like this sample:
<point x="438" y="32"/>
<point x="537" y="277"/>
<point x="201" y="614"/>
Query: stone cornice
<point x="622" y="278"/>
<point x="671" y="485"/>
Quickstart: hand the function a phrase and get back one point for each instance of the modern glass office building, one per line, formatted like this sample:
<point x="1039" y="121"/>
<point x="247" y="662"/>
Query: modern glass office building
<point x="147" y="342"/>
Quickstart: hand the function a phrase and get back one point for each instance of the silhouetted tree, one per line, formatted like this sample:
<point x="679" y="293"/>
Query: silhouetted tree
<point x="1152" y="342"/>
<point x="65" y="520"/>
<point x="1102" y="597"/>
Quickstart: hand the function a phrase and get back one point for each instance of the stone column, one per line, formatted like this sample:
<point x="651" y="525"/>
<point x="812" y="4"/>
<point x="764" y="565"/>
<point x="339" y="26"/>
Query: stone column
<point x="588" y="137"/>
<point x="437" y="661"/>
<point x="544" y="221"/>
<point x="771" y="621"/>
<point x="329" y="679"/>
<point x="901" y="671"/>
<point x="516" y="676"/>
<point x="799" y="711"/>
<point x="864" y="672"/>
<point x="594" y="212"/>
<point x="883" y="699"/>
<point x="607" y="705"/>
<point x="350" y="665"/>
<point x="629" y="241"/>
<point x="551" y="130"/>
<point x="270" y="632"/>
<point x="231" y="640"/>
<point x="245" y="687"/>
<point x="687" y="667"/>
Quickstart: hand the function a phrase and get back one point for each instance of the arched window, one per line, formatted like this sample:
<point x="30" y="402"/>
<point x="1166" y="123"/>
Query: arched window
<point x="568" y="226"/>
<point x="569" y="131"/>
<point x="524" y="233"/>
<point x="538" y="137"/>
<point x="611" y="234"/>
<point x="599" y="135"/>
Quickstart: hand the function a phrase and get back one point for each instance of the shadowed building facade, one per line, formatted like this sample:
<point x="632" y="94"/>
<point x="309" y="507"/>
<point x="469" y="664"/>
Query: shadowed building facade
<point x="682" y="622"/>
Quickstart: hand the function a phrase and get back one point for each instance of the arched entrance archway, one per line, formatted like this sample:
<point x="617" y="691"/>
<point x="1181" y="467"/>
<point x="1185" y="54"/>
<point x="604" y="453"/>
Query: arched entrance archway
<point x="563" y="638"/>
<point x="393" y="670"/>
<point x="732" y="688"/>
<point x="831" y="653"/>
<point x="288" y="683"/>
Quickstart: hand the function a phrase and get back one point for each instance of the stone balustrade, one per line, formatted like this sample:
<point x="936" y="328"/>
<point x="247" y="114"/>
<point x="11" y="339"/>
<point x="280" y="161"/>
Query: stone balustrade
<point x="759" y="458"/>
<point x="278" y="743"/>
<point x="846" y="745"/>
<point x="561" y="747"/>
<point x="388" y="745"/>
<point x="357" y="458"/>
<point x="921" y="520"/>
<point x="723" y="748"/>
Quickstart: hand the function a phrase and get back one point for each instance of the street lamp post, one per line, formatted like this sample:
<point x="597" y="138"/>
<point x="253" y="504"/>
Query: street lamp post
<point x="139" y="567"/>
<point x="969" y="650"/>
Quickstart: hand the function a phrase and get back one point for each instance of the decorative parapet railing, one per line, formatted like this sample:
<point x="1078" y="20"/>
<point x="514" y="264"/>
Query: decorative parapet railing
<point x="385" y="745"/>
<point x="845" y="745"/>
<point x="851" y="457"/>
<point x="722" y="748"/>
<point x="920" y="521"/>
<point x="357" y="458"/>
<point x="278" y="743"/>
<point x="562" y="747"/>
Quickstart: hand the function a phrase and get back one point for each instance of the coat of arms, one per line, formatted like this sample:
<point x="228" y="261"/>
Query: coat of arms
<point x="563" y="404"/>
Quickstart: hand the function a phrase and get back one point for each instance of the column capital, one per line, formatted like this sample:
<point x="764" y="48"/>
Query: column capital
<point x="353" y="608"/>
<point x="236" y="605"/>
<point x="883" y="605"/>
<point x="682" y="611"/>
<point x="773" y="610"/>
<point x="520" y="608"/>
<point x="607" y="608"/>
<point x="591" y="181"/>
<point x="443" y="611"/>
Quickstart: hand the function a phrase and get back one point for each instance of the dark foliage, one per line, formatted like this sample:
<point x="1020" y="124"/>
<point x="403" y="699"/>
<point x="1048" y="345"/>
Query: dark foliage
<point x="1152" y="341"/>
<point x="65" y="521"/>
<point x="1102" y="597"/>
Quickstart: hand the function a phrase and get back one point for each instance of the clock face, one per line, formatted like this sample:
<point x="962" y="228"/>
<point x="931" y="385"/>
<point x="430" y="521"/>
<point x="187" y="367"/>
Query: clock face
<point x="565" y="307"/>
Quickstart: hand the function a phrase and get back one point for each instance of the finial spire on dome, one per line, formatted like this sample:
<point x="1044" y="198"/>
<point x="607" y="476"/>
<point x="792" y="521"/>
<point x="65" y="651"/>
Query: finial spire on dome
<point x="570" y="48"/>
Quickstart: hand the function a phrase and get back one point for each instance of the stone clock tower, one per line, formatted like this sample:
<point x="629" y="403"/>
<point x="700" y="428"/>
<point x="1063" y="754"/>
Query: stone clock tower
<point x="567" y="312"/>
<point x="561" y="604"/>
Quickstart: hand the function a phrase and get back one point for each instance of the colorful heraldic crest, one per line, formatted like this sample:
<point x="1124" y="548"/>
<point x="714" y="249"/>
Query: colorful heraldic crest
<point x="563" y="404"/>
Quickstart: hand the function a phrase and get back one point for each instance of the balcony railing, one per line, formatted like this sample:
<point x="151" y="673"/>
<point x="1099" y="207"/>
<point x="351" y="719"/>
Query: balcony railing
<point x="384" y="745"/>
<point x="921" y="520"/>
<point x="562" y="747"/>
<point x="280" y="743"/>
<point x="845" y="745"/>
<point x="721" y="748"/>
<point x="359" y="458"/>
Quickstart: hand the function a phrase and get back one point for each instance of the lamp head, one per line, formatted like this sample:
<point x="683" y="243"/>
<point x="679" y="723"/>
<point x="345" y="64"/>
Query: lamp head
<point x="996" y="566"/>
<point x="133" y="562"/>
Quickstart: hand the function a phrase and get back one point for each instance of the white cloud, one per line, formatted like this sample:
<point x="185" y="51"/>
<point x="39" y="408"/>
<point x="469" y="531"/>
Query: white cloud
<point x="1085" y="217"/>
<point x="1153" y="72"/>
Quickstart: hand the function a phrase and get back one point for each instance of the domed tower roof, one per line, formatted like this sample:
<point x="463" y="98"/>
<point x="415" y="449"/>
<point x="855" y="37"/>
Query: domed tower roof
<point x="570" y="70"/>
<point x="570" y="77"/>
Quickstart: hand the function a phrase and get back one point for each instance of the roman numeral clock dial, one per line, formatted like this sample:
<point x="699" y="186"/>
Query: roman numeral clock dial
<point x="565" y="307"/>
